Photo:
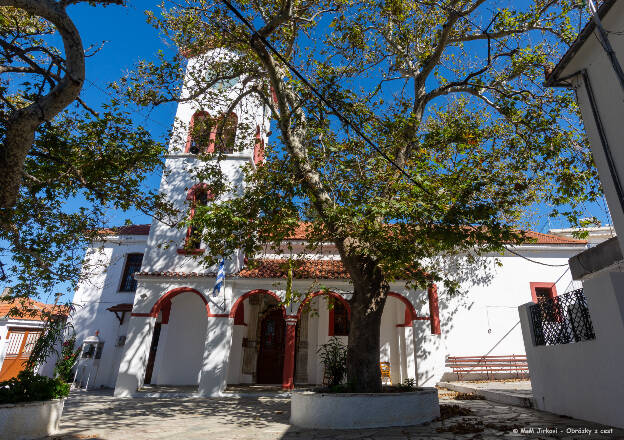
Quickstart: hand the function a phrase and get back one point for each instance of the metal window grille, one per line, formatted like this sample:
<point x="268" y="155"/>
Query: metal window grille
<point x="133" y="264"/>
<point x="562" y="319"/>
<point x="31" y="339"/>
<point x="14" y="343"/>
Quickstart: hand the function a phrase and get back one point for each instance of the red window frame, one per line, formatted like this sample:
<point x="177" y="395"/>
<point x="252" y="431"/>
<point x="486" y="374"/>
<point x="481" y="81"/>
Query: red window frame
<point x="339" y="319"/>
<point x="552" y="293"/>
<point x="552" y="290"/>
<point x="259" y="148"/>
<point x="217" y="124"/>
<point x="192" y="196"/>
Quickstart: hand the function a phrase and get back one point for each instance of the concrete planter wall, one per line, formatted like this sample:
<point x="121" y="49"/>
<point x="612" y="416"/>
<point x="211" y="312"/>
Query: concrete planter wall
<point x="20" y="421"/>
<point x="362" y="410"/>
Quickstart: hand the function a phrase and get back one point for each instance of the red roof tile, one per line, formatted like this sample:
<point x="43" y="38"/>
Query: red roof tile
<point x="29" y="309"/>
<point x="308" y="269"/>
<point x="127" y="230"/>
<point x="539" y="238"/>
<point x="300" y="234"/>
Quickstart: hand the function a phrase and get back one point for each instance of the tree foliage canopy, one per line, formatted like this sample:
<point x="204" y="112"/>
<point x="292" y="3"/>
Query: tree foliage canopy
<point x="450" y="90"/>
<point x="78" y="164"/>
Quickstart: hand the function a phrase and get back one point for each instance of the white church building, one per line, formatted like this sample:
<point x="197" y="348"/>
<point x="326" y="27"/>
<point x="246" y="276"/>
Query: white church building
<point x="152" y="308"/>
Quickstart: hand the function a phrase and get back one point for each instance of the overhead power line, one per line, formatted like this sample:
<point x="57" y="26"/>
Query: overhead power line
<point x="535" y="261"/>
<point x="320" y="96"/>
<point x="343" y="118"/>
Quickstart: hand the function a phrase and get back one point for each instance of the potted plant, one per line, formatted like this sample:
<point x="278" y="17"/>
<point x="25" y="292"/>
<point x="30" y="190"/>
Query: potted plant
<point x="335" y="406"/>
<point x="31" y="405"/>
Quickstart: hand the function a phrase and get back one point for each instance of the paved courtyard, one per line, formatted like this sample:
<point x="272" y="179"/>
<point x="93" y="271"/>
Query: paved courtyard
<point x="100" y="416"/>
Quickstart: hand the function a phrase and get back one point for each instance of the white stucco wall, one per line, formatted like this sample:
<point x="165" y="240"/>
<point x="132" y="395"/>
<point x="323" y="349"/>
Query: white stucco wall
<point x="476" y="324"/>
<point x="183" y="340"/>
<point x="584" y="379"/>
<point x="485" y="320"/>
<point x="99" y="290"/>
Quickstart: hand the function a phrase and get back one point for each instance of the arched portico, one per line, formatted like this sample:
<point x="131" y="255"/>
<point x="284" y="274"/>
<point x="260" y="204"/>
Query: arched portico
<point x="334" y="295"/>
<point x="410" y="311"/>
<point x="239" y="301"/>
<point x="263" y="338"/>
<point x="164" y="301"/>
<point x="179" y="333"/>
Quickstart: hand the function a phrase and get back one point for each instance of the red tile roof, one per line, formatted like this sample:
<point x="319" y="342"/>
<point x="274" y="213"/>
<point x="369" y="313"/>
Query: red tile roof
<point x="171" y="274"/>
<point x="126" y="230"/>
<point x="300" y="234"/>
<point x="539" y="238"/>
<point x="29" y="309"/>
<point x="308" y="269"/>
<point x="265" y="268"/>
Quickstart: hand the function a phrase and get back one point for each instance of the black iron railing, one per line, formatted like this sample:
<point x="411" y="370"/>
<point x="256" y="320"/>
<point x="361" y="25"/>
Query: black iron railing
<point x="562" y="319"/>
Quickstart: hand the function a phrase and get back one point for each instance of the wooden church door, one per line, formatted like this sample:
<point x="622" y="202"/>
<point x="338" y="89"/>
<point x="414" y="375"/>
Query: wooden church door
<point x="271" y="354"/>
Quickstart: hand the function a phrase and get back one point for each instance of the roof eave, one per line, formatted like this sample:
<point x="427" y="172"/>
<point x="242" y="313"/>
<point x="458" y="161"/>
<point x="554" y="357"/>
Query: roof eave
<point x="552" y="79"/>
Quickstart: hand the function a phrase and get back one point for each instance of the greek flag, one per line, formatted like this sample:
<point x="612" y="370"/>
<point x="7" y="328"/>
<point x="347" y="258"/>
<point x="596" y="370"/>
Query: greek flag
<point x="220" y="279"/>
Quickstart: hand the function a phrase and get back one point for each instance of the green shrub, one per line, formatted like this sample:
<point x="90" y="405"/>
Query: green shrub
<point x="31" y="387"/>
<point x="333" y="356"/>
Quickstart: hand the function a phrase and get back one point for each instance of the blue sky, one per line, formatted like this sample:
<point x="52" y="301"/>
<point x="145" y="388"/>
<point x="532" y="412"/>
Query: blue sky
<point x="126" y="39"/>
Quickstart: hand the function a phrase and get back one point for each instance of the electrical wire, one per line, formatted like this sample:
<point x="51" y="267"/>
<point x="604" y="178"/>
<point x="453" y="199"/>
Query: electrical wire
<point x="562" y="275"/>
<point x="535" y="261"/>
<point x="322" y="98"/>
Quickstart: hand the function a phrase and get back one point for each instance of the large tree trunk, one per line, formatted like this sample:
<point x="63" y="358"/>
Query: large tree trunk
<point x="369" y="297"/>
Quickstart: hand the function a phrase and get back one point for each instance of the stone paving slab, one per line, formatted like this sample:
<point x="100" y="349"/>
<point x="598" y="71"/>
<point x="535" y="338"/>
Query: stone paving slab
<point x="518" y="393"/>
<point x="100" y="416"/>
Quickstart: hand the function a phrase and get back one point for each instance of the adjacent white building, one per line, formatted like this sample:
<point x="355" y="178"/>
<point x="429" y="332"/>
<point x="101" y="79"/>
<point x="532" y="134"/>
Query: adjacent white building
<point x="152" y="306"/>
<point x="574" y="344"/>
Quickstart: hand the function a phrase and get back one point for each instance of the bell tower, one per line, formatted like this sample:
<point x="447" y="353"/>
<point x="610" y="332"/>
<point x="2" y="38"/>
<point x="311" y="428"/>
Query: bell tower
<point x="223" y="120"/>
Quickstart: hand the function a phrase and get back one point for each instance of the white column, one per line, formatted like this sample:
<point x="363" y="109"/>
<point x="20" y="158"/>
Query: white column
<point x="135" y="355"/>
<point x="161" y="350"/>
<point x="410" y="353"/>
<point x="430" y="354"/>
<point x="213" y="375"/>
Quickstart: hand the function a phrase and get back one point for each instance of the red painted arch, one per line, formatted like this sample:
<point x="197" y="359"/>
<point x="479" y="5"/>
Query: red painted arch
<point x="320" y="292"/>
<point x="410" y="311"/>
<point x="198" y="188"/>
<point x="254" y="292"/>
<point x="167" y="297"/>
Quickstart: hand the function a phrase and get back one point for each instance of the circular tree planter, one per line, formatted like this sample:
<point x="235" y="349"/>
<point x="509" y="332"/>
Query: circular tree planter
<point x="363" y="410"/>
<point x="29" y="420"/>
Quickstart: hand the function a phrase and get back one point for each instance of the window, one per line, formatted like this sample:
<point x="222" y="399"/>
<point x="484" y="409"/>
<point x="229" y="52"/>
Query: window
<point x="542" y="291"/>
<point x="259" y="148"/>
<point x="201" y="133"/>
<point x="338" y="320"/>
<point x="226" y="134"/>
<point x="209" y="134"/>
<point x="133" y="264"/>
<point x="199" y="195"/>
<point x="542" y="294"/>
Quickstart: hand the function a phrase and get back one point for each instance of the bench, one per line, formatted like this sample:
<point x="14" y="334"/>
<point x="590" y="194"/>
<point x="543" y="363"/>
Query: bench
<point x="490" y="365"/>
